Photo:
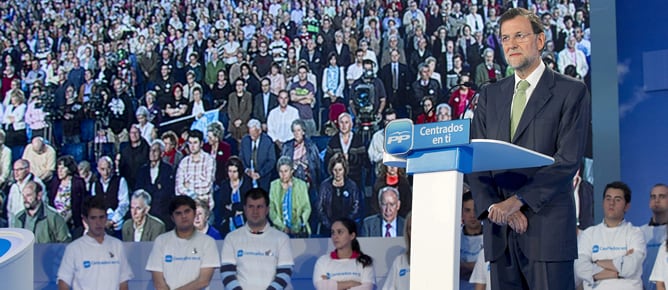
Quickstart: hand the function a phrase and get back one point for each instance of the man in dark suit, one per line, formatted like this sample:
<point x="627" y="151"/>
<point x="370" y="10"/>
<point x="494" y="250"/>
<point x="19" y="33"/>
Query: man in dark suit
<point x="395" y="77"/>
<point x="263" y="103"/>
<point x="342" y="50"/>
<point x="160" y="185"/>
<point x="528" y="214"/>
<point x="388" y="223"/>
<point x="258" y="155"/>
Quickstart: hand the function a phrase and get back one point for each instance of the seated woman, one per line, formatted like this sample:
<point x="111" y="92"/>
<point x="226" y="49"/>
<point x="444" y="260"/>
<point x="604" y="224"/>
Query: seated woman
<point x="339" y="195"/>
<point x="429" y="114"/>
<point x="399" y="274"/>
<point x="202" y="214"/>
<point x="67" y="191"/>
<point x="229" y="212"/>
<point x="347" y="267"/>
<point x="289" y="207"/>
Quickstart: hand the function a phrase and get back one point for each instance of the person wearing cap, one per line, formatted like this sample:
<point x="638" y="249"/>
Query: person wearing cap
<point x="258" y="154"/>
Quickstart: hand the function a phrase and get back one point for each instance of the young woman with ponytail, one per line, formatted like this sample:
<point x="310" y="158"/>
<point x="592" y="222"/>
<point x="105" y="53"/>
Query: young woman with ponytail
<point x="347" y="267"/>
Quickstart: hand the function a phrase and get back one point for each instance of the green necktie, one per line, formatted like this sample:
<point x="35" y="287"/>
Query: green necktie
<point x="519" y="102"/>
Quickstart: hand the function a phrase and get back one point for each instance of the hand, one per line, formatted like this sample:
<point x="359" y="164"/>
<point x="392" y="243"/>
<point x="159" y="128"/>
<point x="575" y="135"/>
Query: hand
<point x="518" y="222"/>
<point x="237" y="123"/>
<point x="629" y="252"/>
<point x="255" y="176"/>
<point x="111" y="225"/>
<point x="500" y="212"/>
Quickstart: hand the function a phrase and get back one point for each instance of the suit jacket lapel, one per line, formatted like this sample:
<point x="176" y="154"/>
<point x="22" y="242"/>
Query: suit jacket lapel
<point x="537" y="100"/>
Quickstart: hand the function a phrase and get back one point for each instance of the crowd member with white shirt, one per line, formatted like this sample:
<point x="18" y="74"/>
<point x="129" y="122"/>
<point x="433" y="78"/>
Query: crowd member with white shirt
<point x="280" y="119"/>
<point x="183" y="258"/>
<point x="655" y="231"/>
<point x="480" y="275"/>
<point x="257" y="255"/>
<point x="659" y="274"/>
<point x="96" y="260"/>
<point x="610" y="254"/>
<point x="347" y="267"/>
<point x="22" y="176"/>
<point x="399" y="275"/>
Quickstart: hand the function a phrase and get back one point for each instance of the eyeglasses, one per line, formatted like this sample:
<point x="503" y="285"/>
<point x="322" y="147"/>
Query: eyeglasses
<point x="519" y="37"/>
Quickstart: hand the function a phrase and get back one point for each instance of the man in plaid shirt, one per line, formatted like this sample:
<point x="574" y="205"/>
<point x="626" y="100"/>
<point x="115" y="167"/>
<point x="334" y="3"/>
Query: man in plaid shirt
<point x="196" y="172"/>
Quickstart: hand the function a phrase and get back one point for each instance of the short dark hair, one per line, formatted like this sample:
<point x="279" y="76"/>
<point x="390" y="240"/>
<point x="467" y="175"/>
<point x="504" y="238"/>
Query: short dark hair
<point x="92" y="202"/>
<point x="257" y="193"/>
<point x="180" y="200"/>
<point x="536" y="24"/>
<point x="621" y="186"/>
<point x="467" y="196"/>
<point x="194" y="133"/>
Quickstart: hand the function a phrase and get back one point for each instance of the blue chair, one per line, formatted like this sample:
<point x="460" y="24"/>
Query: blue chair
<point x="87" y="130"/>
<point x="76" y="150"/>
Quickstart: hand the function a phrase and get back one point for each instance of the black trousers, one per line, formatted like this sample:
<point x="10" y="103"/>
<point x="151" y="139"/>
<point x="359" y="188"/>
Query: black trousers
<point x="514" y="270"/>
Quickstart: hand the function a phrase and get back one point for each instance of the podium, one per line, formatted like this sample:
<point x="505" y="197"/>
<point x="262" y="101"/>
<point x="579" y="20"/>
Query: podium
<point x="438" y="155"/>
<point x="16" y="258"/>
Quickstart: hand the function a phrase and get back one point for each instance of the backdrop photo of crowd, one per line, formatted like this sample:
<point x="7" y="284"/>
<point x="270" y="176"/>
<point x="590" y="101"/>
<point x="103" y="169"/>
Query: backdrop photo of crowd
<point x="211" y="98"/>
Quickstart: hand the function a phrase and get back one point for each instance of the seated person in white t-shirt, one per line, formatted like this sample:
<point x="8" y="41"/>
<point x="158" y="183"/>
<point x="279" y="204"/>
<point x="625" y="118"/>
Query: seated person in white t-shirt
<point x="96" y="260"/>
<point x="257" y="255"/>
<point x="659" y="274"/>
<point x="610" y="254"/>
<point x="480" y="275"/>
<point x="399" y="275"/>
<point x="347" y="267"/>
<point x="471" y="240"/>
<point x="183" y="258"/>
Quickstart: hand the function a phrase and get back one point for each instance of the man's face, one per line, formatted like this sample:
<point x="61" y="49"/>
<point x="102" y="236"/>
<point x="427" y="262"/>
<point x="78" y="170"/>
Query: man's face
<point x="283" y="100"/>
<point x="104" y="169"/>
<point x="254" y="132"/>
<point x="359" y="57"/>
<point x="194" y="144"/>
<point x="489" y="58"/>
<point x="154" y="154"/>
<point x="263" y="47"/>
<point x="184" y="218"/>
<point x="302" y="74"/>
<point x="31" y="199"/>
<point x="134" y="134"/>
<point x="389" y="118"/>
<point x="444" y="114"/>
<point x="266" y="86"/>
<point x="256" y="212"/>
<point x="614" y="204"/>
<point x="389" y="206"/>
<point x="138" y="209"/>
<point x="521" y="54"/>
<point x="21" y="170"/>
<point x="468" y="214"/>
<point x="97" y="221"/>
<point x="658" y="199"/>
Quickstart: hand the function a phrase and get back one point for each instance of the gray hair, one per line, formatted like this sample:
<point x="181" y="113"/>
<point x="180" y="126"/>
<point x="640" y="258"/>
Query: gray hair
<point x="217" y="129"/>
<point x="297" y="122"/>
<point x="443" y="105"/>
<point x="386" y="189"/>
<point x="160" y="144"/>
<point x="142" y="111"/>
<point x="284" y="160"/>
<point x="143" y="194"/>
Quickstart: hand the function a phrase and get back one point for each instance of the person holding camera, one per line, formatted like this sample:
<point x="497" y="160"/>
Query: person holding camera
<point x="371" y="87"/>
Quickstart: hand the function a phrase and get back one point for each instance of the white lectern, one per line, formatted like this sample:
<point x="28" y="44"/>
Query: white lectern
<point x="16" y="258"/>
<point x="438" y="155"/>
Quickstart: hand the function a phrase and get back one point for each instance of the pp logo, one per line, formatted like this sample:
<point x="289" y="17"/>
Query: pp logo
<point x="86" y="264"/>
<point x="595" y="249"/>
<point x="240" y="253"/>
<point x="169" y="258"/>
<point x="399" y="136"/>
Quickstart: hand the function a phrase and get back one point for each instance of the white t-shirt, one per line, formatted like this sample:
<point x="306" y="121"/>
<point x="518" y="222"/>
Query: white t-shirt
<point x="180" y="260"/>
<point x="601" y="242"/>
<point x="654" y="237"/>
<point x="256" y="256"/>
<point x="660" y="270"/>
<point x="342" y="270"/>
<point x="470" y="249"/>
<point x="399" y="275"/>
<point x="88" y="264"/>
<point x="480" y="274"/>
